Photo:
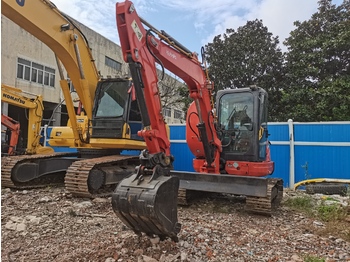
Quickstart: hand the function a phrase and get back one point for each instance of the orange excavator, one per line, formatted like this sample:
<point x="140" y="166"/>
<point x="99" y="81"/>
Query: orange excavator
<point x="13" y="127"/>
<point x="228" y="140"/>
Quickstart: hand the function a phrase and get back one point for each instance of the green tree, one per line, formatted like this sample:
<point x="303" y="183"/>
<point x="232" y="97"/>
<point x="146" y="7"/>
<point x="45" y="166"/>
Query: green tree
<point x="184" y="97"/>
<point x="318" y="66"/>
<point x="248" y="56"/>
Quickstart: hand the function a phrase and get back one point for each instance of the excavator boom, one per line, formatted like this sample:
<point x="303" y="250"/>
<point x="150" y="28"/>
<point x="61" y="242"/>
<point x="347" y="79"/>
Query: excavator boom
<point x="70" y="46"/>
<point x="63" y="37"/>
<point x="142" y="50"/>
<point x="34" y="104"/>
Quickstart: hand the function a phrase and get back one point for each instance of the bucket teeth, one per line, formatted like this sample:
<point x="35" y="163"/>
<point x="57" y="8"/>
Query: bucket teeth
<point x="148" y="206"/>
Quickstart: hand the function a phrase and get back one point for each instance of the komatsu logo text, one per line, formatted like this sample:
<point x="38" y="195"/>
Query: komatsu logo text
<point x="16" y="99"/>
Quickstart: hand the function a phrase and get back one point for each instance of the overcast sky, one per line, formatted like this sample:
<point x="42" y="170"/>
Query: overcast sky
<point x="194" y="23"/>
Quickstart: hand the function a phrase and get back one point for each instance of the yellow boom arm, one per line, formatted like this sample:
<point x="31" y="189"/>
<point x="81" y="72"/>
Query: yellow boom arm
<point x="42" y="19"/>
<point x="34" y="104"/>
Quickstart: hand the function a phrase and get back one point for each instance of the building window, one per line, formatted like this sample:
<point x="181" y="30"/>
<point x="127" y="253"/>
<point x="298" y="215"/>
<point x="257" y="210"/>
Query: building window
<point x="20" y="71"/>
<point x="46" y="78"/>
<point x="40" y="76"/>
<point x="178" y="114"/>
<point x="27" y="73"/>
<point x="167" y="111"/>
<point x="34" y="72"/>
<point x="112" y="63"/>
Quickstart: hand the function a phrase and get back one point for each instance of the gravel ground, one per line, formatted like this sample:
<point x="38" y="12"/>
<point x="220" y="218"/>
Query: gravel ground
<point x="49" y="225"/>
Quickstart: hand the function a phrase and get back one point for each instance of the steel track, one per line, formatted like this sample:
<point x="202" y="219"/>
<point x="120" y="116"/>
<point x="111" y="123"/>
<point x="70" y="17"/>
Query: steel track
<point x="9" y="163"/>
<point x="265" y="205"/>
<point x="77" y="175"/>
<point x="260" y="205"/>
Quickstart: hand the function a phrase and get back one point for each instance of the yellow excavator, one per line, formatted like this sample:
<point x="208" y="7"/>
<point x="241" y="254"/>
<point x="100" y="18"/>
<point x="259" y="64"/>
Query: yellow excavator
<point x="108" y="126"/>
<point x="34" y="105"/>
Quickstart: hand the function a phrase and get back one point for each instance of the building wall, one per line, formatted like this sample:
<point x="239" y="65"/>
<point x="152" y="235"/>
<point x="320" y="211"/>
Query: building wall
<point x="16" y="42"/>
<point x="102" y="47"/>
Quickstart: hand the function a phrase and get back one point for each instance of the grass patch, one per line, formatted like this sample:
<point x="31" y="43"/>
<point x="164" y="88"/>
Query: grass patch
<point x="313" y="259"/>
<point x="336" y="217"/>
<point x="330" y="212"/>
<point x="303" y="204"/>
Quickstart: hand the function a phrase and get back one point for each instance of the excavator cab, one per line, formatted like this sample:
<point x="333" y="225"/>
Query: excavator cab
<point x="115" y="112"/>
<point x="116" y="119"/>
<point x="242" y="128"/>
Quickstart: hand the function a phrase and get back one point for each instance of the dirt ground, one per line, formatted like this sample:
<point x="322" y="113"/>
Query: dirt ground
<point x="49" y="225"/>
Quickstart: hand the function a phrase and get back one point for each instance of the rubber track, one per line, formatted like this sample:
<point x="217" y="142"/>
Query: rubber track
<point x="9" y="162"/>
<point x="259" y="205"/>
<point x="185" y="196"/>
<point x="182" y="197"/>
<point x="76" y="179"/>
<point x="265" y="205"/>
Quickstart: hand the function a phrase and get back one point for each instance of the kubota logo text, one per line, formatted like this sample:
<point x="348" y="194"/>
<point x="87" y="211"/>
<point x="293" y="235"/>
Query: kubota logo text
<point x="172" y="55"/>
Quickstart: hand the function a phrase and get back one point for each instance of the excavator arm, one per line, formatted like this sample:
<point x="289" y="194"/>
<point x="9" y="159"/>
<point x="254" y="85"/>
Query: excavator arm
<point x="14" y="127"/>
<point x="142" y="49"/>
<point x="67" y="42"/>
<point x="34" y="104"/>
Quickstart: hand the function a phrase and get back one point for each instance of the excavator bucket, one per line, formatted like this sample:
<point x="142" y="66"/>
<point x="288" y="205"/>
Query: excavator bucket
<point x="148" y="204"/>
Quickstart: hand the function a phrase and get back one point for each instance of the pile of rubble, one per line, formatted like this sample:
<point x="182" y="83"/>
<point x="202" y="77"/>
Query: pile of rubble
<point x="49" y="225"/>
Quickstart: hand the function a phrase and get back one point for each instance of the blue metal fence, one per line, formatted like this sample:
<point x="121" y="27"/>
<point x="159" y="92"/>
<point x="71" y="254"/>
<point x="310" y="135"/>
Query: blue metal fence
<point x="300" y="150"/>
<point x="321" y="150"/>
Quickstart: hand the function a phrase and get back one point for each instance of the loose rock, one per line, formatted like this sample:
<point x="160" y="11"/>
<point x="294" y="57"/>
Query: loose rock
<point x="50" y="225"/>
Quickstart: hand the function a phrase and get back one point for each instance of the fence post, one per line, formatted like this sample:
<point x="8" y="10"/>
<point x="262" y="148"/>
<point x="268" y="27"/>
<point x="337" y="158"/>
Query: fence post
<point x="291" y="154"/>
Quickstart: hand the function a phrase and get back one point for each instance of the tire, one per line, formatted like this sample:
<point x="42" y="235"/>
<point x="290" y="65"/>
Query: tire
<point x="327" y="189"/>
